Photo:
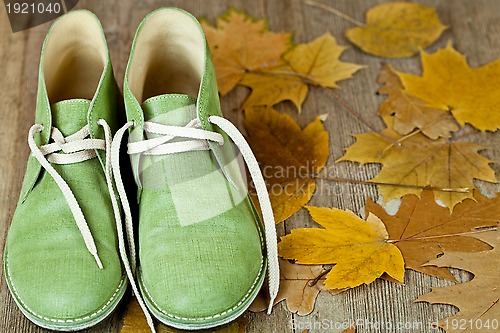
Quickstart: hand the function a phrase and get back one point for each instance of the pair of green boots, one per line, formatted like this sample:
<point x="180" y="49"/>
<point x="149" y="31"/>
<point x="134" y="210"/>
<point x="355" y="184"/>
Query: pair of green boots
<point x="202" y="248"/>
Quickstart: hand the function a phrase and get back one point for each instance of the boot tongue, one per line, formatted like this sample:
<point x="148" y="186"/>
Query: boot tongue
<point x="187" y="176"/>
<point x="69" y="116"/>
<point x="170" y="109"/>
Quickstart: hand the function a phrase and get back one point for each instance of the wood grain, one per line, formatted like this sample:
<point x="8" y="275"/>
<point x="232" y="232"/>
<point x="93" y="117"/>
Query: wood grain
<point x="474" y="30"/>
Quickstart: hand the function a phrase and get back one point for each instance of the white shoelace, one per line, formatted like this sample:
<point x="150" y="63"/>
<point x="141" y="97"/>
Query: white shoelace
<point x="77" y="147"/>
<point x="197" y="140"/>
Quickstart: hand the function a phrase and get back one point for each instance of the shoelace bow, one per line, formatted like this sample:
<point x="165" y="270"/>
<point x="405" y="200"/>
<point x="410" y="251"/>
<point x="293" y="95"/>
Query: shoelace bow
<point x="77" y="147"/>
<point x="197" y="140"/>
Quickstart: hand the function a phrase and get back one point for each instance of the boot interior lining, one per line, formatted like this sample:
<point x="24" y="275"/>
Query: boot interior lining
<point x="169" y="56"/>
<point x="74" y="59"/>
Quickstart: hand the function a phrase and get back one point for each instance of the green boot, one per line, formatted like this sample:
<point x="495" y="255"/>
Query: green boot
<point x="61" y="258"/>
<point x="203" y="251"/>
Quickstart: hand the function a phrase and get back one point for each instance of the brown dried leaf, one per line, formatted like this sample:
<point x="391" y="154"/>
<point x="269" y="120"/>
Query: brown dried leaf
<point x="295" y="288"/>
<point x="410" y="112"/>
<point x="478" y="299"/>
<point x="422" y="229"/>
<point x="288" y="156"/>
<point x="420" y="161"/>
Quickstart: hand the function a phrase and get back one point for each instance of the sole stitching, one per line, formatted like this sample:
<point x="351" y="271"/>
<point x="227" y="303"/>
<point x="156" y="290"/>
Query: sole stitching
<point x="60" y="320"/>
<point x="222" y="313"/>
<point x="213" y="316"/>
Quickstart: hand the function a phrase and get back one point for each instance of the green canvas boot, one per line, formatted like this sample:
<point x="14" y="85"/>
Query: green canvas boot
<point x="203" y="251"/>
<point x="61" y="259"/>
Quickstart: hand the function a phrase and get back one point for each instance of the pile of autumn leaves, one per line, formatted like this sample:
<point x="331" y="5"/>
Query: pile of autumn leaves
<point x="422" y="162"/>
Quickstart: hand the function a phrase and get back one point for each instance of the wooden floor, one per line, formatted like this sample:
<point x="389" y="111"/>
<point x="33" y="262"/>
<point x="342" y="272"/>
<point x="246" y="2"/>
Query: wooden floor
<point x="474" y="30"/>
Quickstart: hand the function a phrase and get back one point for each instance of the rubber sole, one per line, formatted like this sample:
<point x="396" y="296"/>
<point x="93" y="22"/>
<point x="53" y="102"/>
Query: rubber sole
<point x="63" y="324"/>
<point x="214" y="321"/>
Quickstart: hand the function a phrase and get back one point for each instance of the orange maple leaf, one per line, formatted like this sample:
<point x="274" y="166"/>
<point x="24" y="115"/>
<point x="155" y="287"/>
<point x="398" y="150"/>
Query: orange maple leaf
<point x="240" y="43"/>
<point x="289" y="157"/>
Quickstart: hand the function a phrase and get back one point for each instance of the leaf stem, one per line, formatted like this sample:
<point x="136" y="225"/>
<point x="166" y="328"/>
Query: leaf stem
<point x="309" y="80"/>
<point x="493" y="228"/>
<point x="399" y="141"/>
<point x="304" y="77"/>
<point x="334" y="11"/>
<point x="320" y="276"/>
<point x="358" y="117"/>
<point x="369" y="182"/>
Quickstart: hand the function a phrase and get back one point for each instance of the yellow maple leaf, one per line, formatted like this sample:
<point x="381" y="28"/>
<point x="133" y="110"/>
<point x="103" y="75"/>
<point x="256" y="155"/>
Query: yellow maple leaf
<point x="358" y="248"/>
<point x="240" y="43"/>
<point x="273" y="86"/>
<point x="410" y="112"/>
<point x="289" y="157"/>
<point x="397" y="29"/>
<point x="315" y="63"/>
<point x="419" y="161"/>
<point x="448" y="83"/>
